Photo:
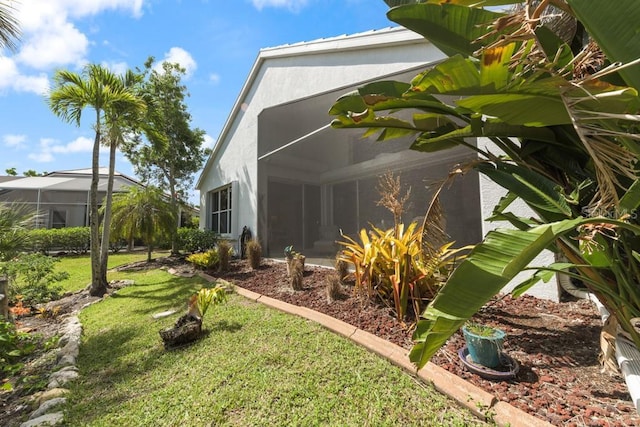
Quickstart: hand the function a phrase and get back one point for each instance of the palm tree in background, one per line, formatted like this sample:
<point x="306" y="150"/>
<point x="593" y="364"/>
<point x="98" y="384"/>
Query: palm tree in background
<point x="9" y="28"/>
<point x="103" y="91"/>
<point x="144" y="213"/>
<point x="120" y="120"/>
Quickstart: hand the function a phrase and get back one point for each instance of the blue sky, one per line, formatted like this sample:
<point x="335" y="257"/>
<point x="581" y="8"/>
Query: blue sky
<point x="216" y="41"/>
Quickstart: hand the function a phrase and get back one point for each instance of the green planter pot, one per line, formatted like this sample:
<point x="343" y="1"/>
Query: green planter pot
<point x="484" y="350"/>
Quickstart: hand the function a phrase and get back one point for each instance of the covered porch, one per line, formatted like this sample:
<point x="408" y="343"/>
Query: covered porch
<point x="315" y="182"/>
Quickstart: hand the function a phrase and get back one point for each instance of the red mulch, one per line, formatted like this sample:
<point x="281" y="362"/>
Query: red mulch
<point x="557" y="344"/>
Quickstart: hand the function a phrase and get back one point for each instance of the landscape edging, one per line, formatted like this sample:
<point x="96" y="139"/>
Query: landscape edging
<point x="481" y="403"/>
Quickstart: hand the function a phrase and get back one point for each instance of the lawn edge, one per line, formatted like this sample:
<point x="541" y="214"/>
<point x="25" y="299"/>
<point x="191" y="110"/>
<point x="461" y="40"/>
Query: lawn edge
<point x="481" y="403"/>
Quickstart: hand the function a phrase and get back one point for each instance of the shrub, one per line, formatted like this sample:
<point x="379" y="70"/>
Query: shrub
<point x="254" y="253"/>
<point x="394" y="264"/>
<point x="33" y="276"/>
<point x="207" y="296"/>
<point x="196" y="240"/>
<point x="205" y="260"/>
<point x="342" y="268"/>
<point x="333" y="283"/>
<point x="297" y="273"/>
<point x="14" y="345"/>
<point x="71" y="239"/>
<point x="225" y="251"/>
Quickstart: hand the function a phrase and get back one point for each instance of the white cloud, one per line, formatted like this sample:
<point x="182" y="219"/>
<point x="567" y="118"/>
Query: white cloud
<point x="177" y="55"/>
<point x="79" y="145"/>
<point x="119" y="68"/>
<point x="10" y="78"/>
<point x="14" y="141"/>
<point x="49" y="147"/>
<point x="44" y="157"/>
<point x="214" y="78"/>
<point x="292" y="5"/>
<point x="50" y="39"/>
<point x="53" y="47"/>
<point x="208" y="142"/>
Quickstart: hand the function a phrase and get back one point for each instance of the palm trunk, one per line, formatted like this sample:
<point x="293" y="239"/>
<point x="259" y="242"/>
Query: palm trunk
<point x="106" y="224"/>
<point x="175" y="210"/>
<point x="97" y="287"/>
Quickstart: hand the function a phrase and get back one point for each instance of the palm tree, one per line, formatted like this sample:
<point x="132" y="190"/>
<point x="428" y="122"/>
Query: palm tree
<point x="102" y="90"/>
<point x="9" y="29"/>
<point x="119" y="120"/>
<point x="142" y="212"/>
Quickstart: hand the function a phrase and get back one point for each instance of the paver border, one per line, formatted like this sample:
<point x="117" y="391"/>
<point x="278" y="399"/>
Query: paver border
<point x="481" y="403"/>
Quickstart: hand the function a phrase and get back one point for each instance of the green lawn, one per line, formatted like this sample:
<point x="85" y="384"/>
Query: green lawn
<point x="256" y="366"/>
<point x="80" y="272"/>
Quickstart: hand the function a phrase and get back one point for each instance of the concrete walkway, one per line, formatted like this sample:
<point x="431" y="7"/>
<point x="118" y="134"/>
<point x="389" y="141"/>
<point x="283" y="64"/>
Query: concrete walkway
<point x="479" y="402"/>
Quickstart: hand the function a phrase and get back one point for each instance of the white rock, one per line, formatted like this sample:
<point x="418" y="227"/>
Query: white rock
<point x="45" y="420"/>
<point x="163" y="314"/>
<point x="46" y="407"/>
<point x="60" y="378"/>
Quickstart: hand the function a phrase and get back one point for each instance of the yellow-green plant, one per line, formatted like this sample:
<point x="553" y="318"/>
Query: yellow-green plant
<point x="207" y="296"/>
<point x="205" y="260"/>
<point x="393" y="264"/>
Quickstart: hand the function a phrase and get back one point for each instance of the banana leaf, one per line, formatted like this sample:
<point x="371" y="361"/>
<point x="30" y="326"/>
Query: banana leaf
<point x="452" y="28"/>
<point x="486" y="270"/>
<point x="615" y="29"/>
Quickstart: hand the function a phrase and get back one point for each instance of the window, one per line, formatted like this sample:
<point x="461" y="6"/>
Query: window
<point x="220" y="203"/>
<point x="58" y="218"/>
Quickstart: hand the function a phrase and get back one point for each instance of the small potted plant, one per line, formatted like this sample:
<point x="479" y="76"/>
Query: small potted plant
<point x="484" y="343"/>
<point x="188" y="327"/>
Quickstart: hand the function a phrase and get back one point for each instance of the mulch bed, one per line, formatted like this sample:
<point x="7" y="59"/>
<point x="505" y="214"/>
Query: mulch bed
<point x="556" y="344"/>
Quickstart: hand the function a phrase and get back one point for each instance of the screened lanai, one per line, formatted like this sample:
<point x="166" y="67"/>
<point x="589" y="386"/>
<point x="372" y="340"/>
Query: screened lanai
<point x="315" y="181"/>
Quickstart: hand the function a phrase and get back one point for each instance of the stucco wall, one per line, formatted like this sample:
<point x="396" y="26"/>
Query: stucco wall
<point x="490" y="194"/>
<point x="281" y="79"/>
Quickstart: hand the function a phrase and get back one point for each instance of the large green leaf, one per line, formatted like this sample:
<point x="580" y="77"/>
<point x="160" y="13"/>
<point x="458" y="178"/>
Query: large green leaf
<point x="615" y="29"/>
<point x="486" y="270"/>
<point x="534" y="189"/>
<point x="451" y="28"/>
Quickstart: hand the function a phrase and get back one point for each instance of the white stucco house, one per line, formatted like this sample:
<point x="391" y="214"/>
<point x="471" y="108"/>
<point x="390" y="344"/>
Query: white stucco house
<point x="279" y="169"/>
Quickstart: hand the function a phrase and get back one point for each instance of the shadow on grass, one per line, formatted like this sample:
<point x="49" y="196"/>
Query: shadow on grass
<point x="162" y="295"/>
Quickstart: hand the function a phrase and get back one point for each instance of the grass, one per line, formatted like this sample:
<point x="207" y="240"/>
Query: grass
<point x="256" y="366"/>
<point x="79" y="268"/>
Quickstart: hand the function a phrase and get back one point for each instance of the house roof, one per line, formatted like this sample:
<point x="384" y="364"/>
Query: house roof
<point x="72" y="180"/>
<point x="372" y="39"/>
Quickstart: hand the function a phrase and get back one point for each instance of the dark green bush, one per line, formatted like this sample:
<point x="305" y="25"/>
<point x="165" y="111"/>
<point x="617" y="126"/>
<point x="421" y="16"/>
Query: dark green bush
<point x="196" y="240"/>
<point x="70" y="239"/>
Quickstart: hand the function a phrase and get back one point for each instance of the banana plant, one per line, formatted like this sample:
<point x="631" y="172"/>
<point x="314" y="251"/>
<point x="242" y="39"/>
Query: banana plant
<point x="568" y="128"/>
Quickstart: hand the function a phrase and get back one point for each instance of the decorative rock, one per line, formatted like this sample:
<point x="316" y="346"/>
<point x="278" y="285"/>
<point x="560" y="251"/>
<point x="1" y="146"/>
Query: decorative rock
<point x="50" y="394"/>
<point x="60" y="378"/>
<point x="69" y="353"/>
<point x="72" y="331"/>
<point x="164" y="314"/>
<point x="46" y="407"/>
<point x="45" y="420"/>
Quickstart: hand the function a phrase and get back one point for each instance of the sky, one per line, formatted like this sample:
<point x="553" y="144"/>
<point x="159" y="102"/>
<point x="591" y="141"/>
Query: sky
<point x="216" y="41"/>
